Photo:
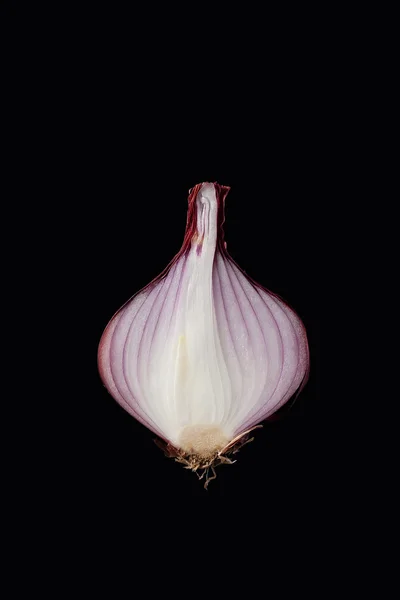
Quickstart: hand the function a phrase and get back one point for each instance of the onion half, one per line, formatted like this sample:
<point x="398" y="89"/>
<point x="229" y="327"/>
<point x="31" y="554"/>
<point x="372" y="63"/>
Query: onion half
<point x="203" y="353"/>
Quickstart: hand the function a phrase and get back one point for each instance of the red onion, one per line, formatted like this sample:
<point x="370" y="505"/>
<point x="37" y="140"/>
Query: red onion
<point x="203" y="353"/>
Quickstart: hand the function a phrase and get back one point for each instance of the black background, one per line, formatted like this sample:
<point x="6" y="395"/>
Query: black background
<point x="113" y="114"/>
